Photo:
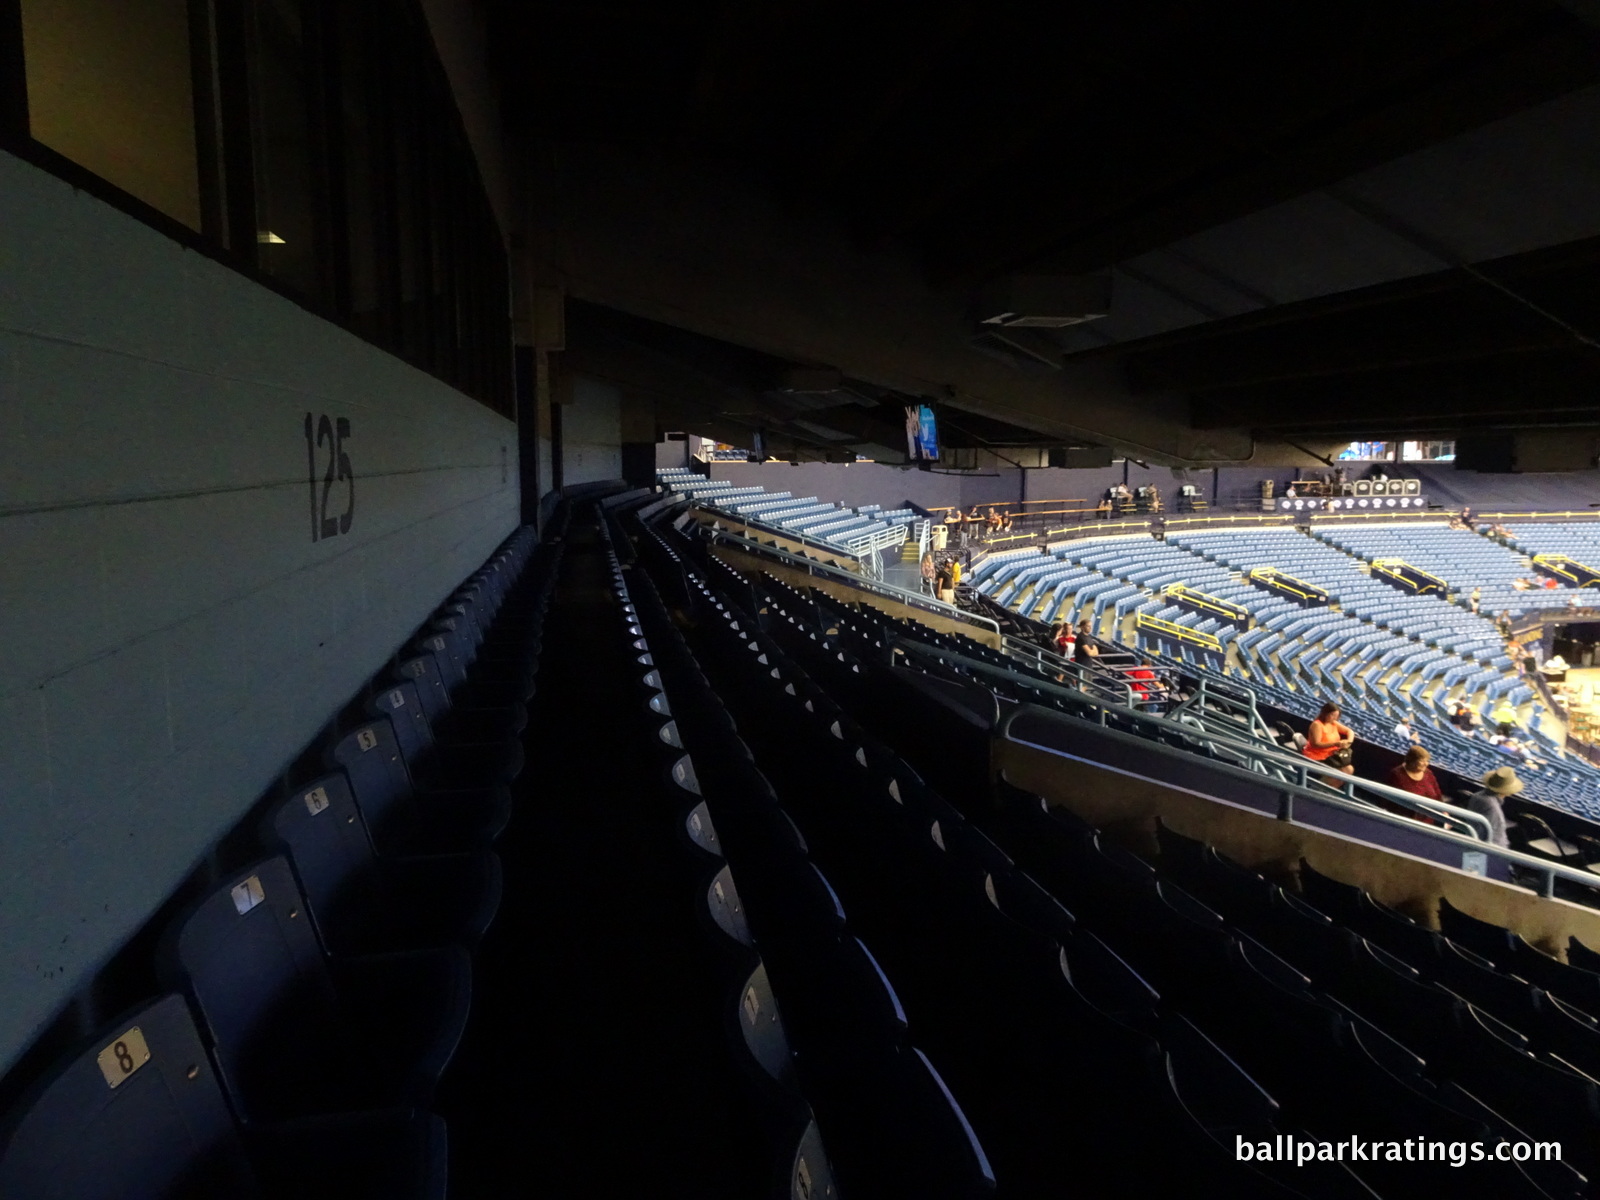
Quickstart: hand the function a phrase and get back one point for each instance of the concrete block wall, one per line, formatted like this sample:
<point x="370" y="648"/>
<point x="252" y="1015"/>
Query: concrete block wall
<point x="173" y="633"/>
<point x="591" y="433"/>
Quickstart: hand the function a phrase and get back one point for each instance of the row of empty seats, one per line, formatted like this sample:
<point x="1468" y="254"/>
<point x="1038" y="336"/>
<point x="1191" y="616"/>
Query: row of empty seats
<point x="857" y="532"/>
<point x="317" y="979"/>
<point x="1191" y="1005"/>
<point x="1382" y="654"/>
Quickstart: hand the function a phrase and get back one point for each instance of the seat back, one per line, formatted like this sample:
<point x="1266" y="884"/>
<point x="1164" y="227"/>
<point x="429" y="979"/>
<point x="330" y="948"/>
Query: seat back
<point x="423" y="670"/>
<point x="810" y="1172"/>
<point x="379" y="780"/>
<point x="761" y="1029"/>
<point x="138" y="1114"/>
<point x="321" y="830"/>
<point x="249" y="957"/>
<point x="402" y="705"/>
<point x="1481" y="937"/>
<point x="446" y="651"/>
<point x="727" y="909"/>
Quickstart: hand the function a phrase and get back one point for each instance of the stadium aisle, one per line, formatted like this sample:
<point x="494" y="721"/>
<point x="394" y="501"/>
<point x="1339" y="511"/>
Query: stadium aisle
<point x="594" y="1063"/>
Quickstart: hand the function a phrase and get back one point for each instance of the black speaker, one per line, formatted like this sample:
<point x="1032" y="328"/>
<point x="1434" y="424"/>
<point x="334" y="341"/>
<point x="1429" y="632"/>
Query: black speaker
<point x="1413" y="486"/>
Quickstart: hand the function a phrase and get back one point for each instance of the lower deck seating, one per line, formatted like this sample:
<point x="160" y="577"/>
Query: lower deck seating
<point x="317" y="979"/>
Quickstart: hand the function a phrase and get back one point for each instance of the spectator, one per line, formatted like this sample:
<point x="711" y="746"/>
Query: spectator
<point x="1404" y="731"/>
<point x="1142" y="681"/>
<point x="928" y="571"/>
<point x="1463" y="719"/>
<point x="1474" y="600"/>
<point x="1061" y="639"/>
<point x="1084" y="650"/>
<point x="943" y="586"/>
<point x="1504" y="717"/>
<point x="1005" y="523"/>
<point x="1497" y="784"/>
<point x="1513" y="747"/>
<point x="1413" y="775"/>
<point x="1327" y="741"/>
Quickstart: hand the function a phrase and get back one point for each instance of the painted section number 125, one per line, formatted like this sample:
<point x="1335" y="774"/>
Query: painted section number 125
<point x="327" y="435"/>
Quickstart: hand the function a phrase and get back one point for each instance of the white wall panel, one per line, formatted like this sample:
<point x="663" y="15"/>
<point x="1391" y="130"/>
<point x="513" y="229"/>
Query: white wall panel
<point x="174" y="635"/>
<point x="591" y="433"/>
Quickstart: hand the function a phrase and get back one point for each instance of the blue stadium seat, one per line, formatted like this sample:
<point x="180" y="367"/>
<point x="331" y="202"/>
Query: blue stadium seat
<point x="400" y="821"/>
<point x="483" y="768"/>
<point x="294" y="1035"/>
<point x="362" y="903"/>
<point x="139" y="1115"/>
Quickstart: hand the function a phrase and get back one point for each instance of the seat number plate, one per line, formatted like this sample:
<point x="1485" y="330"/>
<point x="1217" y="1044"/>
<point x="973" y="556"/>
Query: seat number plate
<point x="123" y="1057"/>
<point x="248" y="894"/>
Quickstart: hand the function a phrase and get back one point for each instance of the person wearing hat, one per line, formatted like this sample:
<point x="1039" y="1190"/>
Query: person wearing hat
<point x="1497" y="785"/>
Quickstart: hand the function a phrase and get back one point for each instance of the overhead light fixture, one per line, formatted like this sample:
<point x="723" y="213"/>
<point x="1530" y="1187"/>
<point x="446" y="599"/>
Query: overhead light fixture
<point x="1044" y="301"/>
<point x="267" y="238"/>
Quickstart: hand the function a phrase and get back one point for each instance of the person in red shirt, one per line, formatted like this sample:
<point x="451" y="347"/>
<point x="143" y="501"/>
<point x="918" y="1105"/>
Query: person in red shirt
<point x="1413" y="775"/>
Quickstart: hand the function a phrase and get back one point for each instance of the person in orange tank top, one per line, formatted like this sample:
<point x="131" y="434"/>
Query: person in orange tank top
<point x="1328" y="741"/>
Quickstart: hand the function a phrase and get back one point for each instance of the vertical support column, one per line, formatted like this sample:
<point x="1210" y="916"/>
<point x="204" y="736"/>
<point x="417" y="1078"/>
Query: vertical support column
<point x="13" y="79"/>
<point x="527" y="393"/>
<point x="554" y="404"/>
<point x="638" y="429"/>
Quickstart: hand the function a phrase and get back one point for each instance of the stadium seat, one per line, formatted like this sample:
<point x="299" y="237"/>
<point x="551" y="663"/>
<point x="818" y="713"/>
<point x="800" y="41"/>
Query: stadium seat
<point x="400" y="821"/>
<point x="139" y="1115"/>
<point x="361" y="903"/>
<point x="295" y="1035"/>
<point x="444" y="768"/>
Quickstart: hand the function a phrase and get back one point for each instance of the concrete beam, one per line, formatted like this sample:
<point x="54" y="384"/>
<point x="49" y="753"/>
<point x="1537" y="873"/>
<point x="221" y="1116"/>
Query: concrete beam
<point x="690" y="245"/>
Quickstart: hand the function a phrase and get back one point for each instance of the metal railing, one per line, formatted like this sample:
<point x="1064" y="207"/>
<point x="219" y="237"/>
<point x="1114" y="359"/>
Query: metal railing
<point x="1284" y="582"/>
<point x="1227" y="610"/>
<point x="1215" y="699"/>
<point x="878" y="587"/>
<point x="1548" y="872"/>
<point x="1111" y="682"/>
<point x="1257" y="756"/>
<point x="1178" y="633"/>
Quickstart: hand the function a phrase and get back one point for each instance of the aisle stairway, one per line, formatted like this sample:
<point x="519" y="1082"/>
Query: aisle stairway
<point x="594" y="1063"/>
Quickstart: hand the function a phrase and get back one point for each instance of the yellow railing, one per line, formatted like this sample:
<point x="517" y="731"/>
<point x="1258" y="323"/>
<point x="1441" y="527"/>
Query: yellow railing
<point x="1285" y="582"/>
<point x="1562" y="564"/>
<point x="1206" y="641"/>
<point x="1587" y="513"/>
<point x="1222" y="520"/>
<point x="1387" y="567"/>
<point x="1211" y="604"/>
<point x="1383" y="517"/>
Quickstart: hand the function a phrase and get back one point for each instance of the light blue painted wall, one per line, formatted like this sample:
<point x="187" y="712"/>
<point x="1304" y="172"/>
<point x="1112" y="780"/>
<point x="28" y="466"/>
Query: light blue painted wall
<point x="172" y="635"/>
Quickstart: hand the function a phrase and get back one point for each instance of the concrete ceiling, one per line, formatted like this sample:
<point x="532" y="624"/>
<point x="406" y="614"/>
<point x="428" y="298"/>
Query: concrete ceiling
<point x="1321" y="221"/>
